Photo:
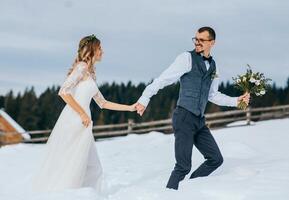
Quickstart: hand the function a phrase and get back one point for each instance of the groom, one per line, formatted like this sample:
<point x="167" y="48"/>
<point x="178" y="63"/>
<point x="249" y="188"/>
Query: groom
<point x="198" y="75"/>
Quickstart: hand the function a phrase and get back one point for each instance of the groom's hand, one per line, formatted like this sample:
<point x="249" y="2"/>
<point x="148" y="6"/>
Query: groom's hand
<point x="140" y="108"/>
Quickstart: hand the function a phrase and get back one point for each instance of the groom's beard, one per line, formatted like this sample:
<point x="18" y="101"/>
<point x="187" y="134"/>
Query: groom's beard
<point x="199" y="51"/>
<point x="197" y="46"/>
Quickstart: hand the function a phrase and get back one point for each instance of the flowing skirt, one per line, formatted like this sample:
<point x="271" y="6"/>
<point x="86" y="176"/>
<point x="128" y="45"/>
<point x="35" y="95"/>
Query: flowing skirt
<point x="71" y="159"/>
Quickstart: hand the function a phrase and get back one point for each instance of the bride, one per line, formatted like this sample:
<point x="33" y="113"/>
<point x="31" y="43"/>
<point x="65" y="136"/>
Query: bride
<point x="71" y="159"/>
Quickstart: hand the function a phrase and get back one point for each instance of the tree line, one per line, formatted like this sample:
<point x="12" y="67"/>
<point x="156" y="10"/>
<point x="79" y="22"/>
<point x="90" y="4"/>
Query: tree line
<point x="34" y="112"/>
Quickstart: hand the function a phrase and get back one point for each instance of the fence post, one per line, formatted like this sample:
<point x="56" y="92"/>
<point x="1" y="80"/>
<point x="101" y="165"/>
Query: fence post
<point x="284" y="112"/>
<point x="248" y="115"/>
<point x="130" y="125"/>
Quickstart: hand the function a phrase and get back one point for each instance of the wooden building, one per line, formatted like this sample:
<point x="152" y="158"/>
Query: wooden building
<point x="10" y="131"/>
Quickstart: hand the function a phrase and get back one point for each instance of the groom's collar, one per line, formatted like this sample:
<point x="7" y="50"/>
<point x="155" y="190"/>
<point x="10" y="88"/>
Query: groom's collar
<point x="202" y="54"/>
<point x="209" y="59"/>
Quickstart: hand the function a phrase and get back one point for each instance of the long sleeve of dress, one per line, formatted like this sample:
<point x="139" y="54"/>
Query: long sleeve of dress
<point x="99" y="99"/>
<point x="73" y="79"/>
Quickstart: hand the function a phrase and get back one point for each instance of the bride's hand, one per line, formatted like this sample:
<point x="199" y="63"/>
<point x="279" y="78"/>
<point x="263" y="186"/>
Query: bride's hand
<point x="132" y="107"/>
<point x="85" y="119"/>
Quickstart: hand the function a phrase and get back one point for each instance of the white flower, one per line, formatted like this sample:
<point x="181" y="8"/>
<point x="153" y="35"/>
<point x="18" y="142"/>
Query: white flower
<point x="257" y="82"/>
<point x="238" y="80"/>
<point x="257" y="94"/>
<point x="252" y="80"/>
<point x="262" y="92"/>
<point x="244" y="79"/>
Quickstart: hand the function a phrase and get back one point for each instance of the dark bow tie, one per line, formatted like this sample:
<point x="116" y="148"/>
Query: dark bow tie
<point x="209" y="59"/>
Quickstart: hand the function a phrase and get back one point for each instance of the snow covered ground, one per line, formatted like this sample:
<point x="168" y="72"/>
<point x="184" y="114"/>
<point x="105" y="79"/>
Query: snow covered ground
<point x="137" y="167"/>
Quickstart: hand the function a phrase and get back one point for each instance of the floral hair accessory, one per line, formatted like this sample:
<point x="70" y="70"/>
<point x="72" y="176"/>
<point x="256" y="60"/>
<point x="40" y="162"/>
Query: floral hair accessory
<point x="88" y="39"/>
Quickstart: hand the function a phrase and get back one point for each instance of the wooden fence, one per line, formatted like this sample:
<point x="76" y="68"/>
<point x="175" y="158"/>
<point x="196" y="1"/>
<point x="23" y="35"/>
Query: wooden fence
<point x="213" y="120"/>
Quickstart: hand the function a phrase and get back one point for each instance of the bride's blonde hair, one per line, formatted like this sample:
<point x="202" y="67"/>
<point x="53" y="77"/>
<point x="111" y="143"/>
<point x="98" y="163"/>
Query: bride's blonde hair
<point x="86" y="51"/>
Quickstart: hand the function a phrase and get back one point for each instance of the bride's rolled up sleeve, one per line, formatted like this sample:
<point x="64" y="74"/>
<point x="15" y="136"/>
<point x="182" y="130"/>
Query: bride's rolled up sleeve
<point x="99" y="99"/>
<point x="73" y="79"/>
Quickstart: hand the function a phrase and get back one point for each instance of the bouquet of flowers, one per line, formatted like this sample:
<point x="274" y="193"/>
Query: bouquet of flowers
<point x="253" y="83"/>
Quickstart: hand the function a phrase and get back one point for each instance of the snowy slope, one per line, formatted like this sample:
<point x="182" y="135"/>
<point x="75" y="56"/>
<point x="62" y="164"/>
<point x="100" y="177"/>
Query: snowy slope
<point x="137" y="167"/>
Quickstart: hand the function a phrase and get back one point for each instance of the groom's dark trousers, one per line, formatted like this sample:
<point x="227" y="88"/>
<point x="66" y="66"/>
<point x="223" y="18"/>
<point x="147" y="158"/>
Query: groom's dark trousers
<point x="190" y="130"/>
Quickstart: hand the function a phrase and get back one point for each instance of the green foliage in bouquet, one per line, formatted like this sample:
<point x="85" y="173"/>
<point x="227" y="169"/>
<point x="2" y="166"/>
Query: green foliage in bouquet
<point x="253" y="83"/>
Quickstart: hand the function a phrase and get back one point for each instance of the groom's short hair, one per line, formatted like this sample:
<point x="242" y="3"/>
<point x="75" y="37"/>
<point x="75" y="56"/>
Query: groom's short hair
<point x="211" y="32"/>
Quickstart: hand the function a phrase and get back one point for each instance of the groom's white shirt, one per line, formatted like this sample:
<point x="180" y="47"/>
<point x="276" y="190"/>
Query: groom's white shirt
<point x="179" y="67"/>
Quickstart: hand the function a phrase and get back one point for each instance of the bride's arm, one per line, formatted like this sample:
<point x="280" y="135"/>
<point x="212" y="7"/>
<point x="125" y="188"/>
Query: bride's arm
<point x="67" y="98"/>
<point x="120" y="107"/>
<point x="66" y="90"/>
<point x="104" y="104"/>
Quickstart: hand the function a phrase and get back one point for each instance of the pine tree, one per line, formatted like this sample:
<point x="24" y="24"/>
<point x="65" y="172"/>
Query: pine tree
<point x="28" y="110"/>
<point x="10" y="105"/>
<point x="2" y="101"/>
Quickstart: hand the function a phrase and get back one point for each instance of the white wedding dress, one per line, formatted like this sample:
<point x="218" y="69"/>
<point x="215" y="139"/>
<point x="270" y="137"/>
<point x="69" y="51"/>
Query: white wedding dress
<point x="71" y="159"/>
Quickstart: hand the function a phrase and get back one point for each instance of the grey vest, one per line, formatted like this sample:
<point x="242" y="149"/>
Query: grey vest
<point x="195" y="85"/>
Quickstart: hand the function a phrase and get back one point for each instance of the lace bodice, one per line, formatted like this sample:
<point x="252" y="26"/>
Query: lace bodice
<point x="80" y="73"/>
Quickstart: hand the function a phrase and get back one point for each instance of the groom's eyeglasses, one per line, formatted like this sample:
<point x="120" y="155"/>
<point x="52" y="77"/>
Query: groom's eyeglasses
<point x="200" y="40"/>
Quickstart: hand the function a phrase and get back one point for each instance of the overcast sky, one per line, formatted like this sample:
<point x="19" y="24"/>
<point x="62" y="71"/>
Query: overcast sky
<point x="38" y="39"/>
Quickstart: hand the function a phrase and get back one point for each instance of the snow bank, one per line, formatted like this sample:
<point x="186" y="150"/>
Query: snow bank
<point x="137" y="167"/>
